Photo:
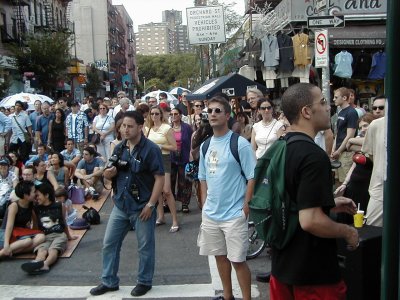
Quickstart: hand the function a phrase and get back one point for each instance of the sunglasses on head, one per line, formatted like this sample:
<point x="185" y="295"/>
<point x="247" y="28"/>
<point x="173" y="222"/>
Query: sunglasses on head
<point x="216" y="110"/>
<point x="381" y="107"/>
<point x="265" y="107"/>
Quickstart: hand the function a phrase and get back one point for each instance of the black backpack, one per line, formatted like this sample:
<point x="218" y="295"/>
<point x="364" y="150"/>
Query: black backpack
<point x="91" y="215"/>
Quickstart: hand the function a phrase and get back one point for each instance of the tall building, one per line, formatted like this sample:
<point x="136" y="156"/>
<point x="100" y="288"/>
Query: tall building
<point x="170" y="36"/>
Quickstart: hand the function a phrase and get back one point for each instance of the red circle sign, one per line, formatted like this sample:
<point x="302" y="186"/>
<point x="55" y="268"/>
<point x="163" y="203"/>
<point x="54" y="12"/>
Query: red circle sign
<point x="320" y="43"/>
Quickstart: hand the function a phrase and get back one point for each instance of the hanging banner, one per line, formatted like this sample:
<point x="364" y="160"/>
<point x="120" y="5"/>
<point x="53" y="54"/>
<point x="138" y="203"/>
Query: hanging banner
<point x="206" y="25"/>
<point x="321" y="49"/>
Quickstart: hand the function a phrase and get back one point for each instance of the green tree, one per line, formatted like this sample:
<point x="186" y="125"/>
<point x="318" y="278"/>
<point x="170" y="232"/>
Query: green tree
<point x="232" y="19"/>
<point x="4" y="86"/>
<point x="93" y="83"/>
<point x="45" y="54"/>
<point x="167" y="68"/>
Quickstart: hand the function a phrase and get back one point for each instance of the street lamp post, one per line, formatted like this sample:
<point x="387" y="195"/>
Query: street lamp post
<point x="144" y="84"/>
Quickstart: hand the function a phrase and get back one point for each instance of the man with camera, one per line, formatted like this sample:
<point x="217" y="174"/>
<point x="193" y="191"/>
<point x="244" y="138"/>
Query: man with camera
<point x="136" y="170"/>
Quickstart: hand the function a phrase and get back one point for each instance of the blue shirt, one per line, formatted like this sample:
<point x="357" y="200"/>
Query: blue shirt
<point x="70" y="156"/>
<point x="5" y="123"/>
<point x="89" y="166"/>
<point x="343" y="61"/>
<point x="347" y="118"/>
<point x="76" y="124"/>
<point x="145" y="161"/>
<point x="378" y="66"/>
<point x="226" y="187"/>
<point x="42" y="125"/>
<point x="33" y="117"/>
<point x="45" y="157"/>
<point x="19" y="121"/>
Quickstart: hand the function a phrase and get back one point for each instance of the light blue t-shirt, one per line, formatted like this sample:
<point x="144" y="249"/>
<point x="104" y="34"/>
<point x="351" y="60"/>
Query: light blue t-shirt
<point x="226" y="187"/>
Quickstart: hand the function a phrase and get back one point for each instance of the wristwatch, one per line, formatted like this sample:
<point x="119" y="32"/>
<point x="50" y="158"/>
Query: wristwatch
<point x="150" y="205"/>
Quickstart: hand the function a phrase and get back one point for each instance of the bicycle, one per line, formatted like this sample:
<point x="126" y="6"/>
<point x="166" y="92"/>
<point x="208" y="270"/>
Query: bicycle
<point x="256" y="245"/>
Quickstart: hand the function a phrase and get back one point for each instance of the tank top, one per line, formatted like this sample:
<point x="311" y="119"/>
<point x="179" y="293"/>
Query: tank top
<point x="22" y="218"/>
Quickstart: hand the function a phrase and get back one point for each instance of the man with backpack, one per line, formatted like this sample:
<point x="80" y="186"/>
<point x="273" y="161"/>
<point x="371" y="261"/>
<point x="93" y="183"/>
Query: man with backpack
<point x="307" y="265"/>
<point x="226" y="171"/>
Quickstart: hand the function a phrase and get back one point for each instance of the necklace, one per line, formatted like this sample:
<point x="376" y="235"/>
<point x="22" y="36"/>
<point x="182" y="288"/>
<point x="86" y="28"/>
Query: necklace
<point x="177" y="126"/>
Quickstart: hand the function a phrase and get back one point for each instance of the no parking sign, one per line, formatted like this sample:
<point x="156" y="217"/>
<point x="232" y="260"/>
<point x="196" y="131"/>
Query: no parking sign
<point x="321" y="48"/>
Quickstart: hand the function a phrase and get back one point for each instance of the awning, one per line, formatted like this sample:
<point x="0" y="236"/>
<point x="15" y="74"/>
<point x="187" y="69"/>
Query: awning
<point x="358" y="37"/>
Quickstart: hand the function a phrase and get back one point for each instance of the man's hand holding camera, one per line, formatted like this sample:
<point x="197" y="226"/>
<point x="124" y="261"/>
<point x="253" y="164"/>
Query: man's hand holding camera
<point x="109" y="173"/>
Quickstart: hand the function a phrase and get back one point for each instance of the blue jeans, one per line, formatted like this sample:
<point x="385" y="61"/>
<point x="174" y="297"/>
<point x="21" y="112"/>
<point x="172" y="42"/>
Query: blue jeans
<point x="118" y="226"/>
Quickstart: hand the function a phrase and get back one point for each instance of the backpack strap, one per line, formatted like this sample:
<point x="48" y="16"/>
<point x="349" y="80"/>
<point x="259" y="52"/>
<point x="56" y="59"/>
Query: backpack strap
<point x="298" y="137"/>
<point x="234" y="147"/>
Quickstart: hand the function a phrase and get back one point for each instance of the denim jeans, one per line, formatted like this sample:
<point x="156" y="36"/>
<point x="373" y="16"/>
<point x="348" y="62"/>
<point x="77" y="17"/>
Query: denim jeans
<point x="118" y="226"/>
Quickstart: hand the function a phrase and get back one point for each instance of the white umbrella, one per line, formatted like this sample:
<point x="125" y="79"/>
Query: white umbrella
<point x="178" y="90"/>
<point x="155" y="94"/>
<point x="24" y="97"/>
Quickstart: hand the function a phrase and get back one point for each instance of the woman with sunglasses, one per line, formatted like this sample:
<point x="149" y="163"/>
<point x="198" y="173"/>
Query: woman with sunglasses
<point x="198" y="107"/>
<point x="182" y="134"/>
<point x="161" y="134"/>
<point x="104" y="125"/>
<point x="266" y="131"/>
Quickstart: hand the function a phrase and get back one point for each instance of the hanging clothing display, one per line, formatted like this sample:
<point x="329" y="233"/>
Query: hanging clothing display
<point x="362" y="65"/>
<point x="248" y="72"/>
<point x="286" y="54"/>
<point x="269" y="51"/>
<point x="300" y="50"/>
<point x="343" y="61"/>
<point x="303" y="73"/>
<point x="378" y="66"/>
<point x="269" y="76"/>
<point x="250" y="54"/>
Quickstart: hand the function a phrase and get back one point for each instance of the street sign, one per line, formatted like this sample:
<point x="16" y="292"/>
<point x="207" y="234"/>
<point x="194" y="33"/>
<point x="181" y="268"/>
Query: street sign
<point x="325" y="21"/>
<point x="321" y="49"/>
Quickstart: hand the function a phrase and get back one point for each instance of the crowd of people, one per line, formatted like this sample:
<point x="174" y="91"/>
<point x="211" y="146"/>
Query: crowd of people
<point x="144" y="148"/>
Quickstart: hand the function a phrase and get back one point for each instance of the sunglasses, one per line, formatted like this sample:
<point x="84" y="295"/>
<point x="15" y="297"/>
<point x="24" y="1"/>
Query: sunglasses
<point x="155" y="114"/>
<point x="101" y="108"/>
<point x="199" y="105"/>
<point x="216" y="110"/>
<point x="174" y="114"/>
<point x="376" y="107"/>
<point x="265" y="107"/>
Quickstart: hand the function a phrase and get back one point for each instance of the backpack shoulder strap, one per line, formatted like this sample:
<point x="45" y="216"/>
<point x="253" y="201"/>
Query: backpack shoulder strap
<point x="298" y="137"/>
<point x="205" y="146"/>
<point x="234" y="146"/>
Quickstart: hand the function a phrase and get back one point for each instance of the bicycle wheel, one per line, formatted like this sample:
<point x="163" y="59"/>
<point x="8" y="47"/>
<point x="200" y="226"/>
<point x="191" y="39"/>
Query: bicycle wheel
<point x="256" y="245"/>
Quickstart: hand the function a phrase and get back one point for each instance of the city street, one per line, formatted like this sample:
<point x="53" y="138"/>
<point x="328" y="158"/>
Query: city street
<point x="180" y="272"/>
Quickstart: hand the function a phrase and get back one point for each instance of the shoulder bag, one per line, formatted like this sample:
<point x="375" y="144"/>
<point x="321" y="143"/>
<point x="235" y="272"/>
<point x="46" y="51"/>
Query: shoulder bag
<point x="27" y="136"/>
<point x="96" y="136"/>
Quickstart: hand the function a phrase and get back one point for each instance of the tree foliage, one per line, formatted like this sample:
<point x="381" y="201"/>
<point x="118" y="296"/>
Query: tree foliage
<point x="45" y="54"/>
<point x="167" y="69"/>
<point x="232" y="19"/>
<point x="93" y="83"/>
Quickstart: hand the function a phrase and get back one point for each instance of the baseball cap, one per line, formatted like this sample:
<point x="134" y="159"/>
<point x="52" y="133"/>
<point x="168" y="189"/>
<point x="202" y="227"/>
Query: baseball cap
<point x="4" y="161"/>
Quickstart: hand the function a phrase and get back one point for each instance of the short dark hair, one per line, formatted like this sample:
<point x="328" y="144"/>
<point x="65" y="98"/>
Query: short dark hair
<point x="379" y="97"/>
<point x="23" y="188"/>
<point x="70" y="140"/>
<point x="164" y="95"/>
<point x="91" y="151"/>
<point x="137" y="116"/>
<point x="222" y="101"/>
<point x="46" y="189"/>
<point x="60" y="158"/>
<point x="294" y="99"/>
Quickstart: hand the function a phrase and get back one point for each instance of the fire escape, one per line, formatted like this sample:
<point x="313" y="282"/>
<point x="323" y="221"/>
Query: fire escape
<point x="19" y="23"/>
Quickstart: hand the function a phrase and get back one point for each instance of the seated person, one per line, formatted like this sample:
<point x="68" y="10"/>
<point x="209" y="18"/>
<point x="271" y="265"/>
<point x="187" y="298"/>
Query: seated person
<point x="8" y="181"/>
<point x="27" y="175"/>
<point x="71" y="155"/>
<point x="16" y="220"/>
<point x="41" y="154"/>
<point x="50" y="215"/>
<point x="89" y="171"/>
<point x="41" y="173"/>
<point x="58" y="170"/>
<point x="61" y="196"/>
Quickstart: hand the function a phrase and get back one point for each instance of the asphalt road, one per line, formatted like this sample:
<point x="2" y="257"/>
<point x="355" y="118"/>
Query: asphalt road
<point x="181" y="273"/>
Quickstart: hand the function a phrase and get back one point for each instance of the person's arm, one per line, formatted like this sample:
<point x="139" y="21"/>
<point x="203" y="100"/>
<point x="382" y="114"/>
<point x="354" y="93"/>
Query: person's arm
<point x="203" y="189"/>
<point x="171" y="146"/>
<point x="66" y="230"/>
<point x="340" y="190"/>
<point x="80" y="174"/>
<point x="52" y="179"/>
<point x="76" y="159"/>
<point x="249" y="194"/>
<point x="111" y="129"/>
<point x="253" y="140"/>
<point x="49" y="136"/>
<point x="349" y="134"/>
<point x="328" y="136"/>
<point x="155" y="195"/>
<point x="97" y="172"/>
<point x="316" y="222"/>
<point x="66" y="177"/>
<point x="12" y="212"/>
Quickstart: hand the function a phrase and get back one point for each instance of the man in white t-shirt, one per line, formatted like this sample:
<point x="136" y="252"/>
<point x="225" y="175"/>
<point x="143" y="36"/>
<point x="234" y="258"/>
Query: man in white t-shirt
<point x="225" y="197"/>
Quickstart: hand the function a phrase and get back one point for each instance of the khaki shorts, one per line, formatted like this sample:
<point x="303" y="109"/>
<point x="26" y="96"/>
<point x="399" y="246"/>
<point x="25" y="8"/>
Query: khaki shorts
<point x="228" y="238"/>
<point x="56" y="241"/>
<point x="346" y="158"/>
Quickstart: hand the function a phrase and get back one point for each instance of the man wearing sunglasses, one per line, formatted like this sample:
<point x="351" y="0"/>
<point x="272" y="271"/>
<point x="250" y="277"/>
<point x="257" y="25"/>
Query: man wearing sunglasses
<point x="374" y="147"/>
<point x="225" y="195"/>
<point x="378" y="107"/>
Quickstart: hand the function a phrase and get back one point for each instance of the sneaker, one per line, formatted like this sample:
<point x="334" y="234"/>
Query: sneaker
<point x="102" y="289"/>
<point x="140" y="290"/>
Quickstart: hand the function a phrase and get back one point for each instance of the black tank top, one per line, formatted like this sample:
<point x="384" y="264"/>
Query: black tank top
<point x="22" y="218"/>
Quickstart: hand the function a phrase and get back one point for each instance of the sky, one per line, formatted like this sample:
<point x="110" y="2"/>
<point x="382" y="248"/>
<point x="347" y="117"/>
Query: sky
<point x="147" y="11"/>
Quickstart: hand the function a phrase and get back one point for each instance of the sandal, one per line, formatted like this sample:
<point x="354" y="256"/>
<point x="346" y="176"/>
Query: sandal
<point x="159" y="223"/>
<point x="174" y="229"/>
<point x="185" y="208"/>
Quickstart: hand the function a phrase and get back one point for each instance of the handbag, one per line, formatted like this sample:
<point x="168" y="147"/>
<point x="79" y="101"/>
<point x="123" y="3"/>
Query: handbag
<point x="27" y="136"/>
<point x="96" y="136"/>
<point x="76" y="194"/>
<point x="91" y="215"/>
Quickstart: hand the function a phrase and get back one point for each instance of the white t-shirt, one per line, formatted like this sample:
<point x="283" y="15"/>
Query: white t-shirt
<point x="107" y="121"/>
<point x="265" y="135"/>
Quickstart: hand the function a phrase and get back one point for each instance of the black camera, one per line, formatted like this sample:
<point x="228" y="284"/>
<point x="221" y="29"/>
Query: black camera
<point x="115" y="161"/>
<point x="135" y="191"/>
<point x="204" y="116"/>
